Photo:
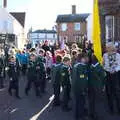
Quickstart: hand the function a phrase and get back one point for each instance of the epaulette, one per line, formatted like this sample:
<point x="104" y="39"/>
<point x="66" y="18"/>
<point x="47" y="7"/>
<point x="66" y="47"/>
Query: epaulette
<point x="79" y="64"/>
<point x="56" y="65"/>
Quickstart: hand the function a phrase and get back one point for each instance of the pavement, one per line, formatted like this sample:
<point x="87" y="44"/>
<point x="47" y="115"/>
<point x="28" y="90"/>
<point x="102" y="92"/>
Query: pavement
<point x="32" y="108"/>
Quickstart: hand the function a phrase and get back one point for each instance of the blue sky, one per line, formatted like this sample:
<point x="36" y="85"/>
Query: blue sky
<point x="42" y="14"/>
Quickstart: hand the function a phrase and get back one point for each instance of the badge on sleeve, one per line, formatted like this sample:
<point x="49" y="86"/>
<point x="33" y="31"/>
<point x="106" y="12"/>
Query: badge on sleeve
<point x="82" y="76"/>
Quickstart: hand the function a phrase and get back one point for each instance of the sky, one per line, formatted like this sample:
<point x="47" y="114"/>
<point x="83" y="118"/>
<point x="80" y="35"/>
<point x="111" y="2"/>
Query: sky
<point x="41" y="14"/>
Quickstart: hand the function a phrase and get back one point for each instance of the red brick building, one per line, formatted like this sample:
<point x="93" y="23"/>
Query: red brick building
<point x="110" y="20"/>
<point x="72" y="27"/>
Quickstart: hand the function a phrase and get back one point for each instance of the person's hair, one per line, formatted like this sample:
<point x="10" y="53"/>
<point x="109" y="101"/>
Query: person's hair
<point x="49" y="53"/>
<point x="11" y="57"/>
<point x="74" y="52"/>
<point x="41" y="51"/>
<point x="94" y="59"/>
<point x="31" y="55"/>
<point x="80" y="56"/>
<point x="58" y="58"/>
<point x="74" y="46"/>
<point x="32" y="49"/>
<point x="110" y="47"/>
<point x="66" y="58"/>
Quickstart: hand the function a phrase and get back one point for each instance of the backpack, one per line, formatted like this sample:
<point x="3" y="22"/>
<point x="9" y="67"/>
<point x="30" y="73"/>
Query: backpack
<point x="55" y="74"/>
<point x="64" y="75"/>
<point x="80" y="77"/>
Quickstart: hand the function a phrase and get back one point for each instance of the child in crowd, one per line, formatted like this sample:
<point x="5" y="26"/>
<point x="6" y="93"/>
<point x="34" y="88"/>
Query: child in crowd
<point x="13" y="72"/>
<point x="55" y="77"/>
<point x="49" y="62"/>
<point x="79" y="86"/>
<point x="32" y="75"/>
<point x="65" y="82"/>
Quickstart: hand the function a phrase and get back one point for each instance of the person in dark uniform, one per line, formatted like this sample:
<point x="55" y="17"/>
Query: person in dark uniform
<point x="55" y="77"/>
<point x="41" y="61"/>
<point x="1" y="73"/>
<point x="13" y="73"/>
<point x="41" y="74"/>
<point x="96" y="82"/>
<point x="65" y="82"/>
<point x="79" y="86"/>
<point x="32" y="75"/>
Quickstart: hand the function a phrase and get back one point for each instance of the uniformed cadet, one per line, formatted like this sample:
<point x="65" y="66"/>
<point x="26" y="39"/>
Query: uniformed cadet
<point x="65" y="82"/>
<point x="55" y="77"/>
<point x="41" y="61"/>
<point x="40" y="56"/>
<point x="1" y="73"/>
<point x="41" y="75"/>
<point x="32" y="75"/>
<point x="79" y="86"/>
<point x="13" y="72"/>
<point x="96" y="80"/>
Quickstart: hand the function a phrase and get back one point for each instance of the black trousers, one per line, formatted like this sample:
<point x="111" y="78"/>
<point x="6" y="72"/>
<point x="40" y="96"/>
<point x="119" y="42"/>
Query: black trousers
<point x="1" y="82"/>
<point x="94" y="94"/>
<point x="56" y="94"/>
<point x="48" y="73"/>
<point x="14" y="85"/>
<point x="66" y="96"/>
<point x="80" y="101"/>
<point x="113" y="91"/>
<point x="29" y="86"/>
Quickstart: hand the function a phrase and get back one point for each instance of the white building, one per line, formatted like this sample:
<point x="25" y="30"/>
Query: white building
<point x="13" y="23"/>
<point x="40" y="36"/>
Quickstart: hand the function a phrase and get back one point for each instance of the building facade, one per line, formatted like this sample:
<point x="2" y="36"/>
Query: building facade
<point x="11" y="28"/>
<point x="71" y="27"/>
<point x="40" y="36"/>
<point x="110" y="20"/>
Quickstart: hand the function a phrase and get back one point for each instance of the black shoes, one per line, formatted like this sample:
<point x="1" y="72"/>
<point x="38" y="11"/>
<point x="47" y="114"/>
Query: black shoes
<point x="26" y="92"/>
<point x="18" y="97"/>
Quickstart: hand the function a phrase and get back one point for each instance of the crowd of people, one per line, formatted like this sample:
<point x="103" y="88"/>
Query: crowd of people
<point x="74" y="74"/>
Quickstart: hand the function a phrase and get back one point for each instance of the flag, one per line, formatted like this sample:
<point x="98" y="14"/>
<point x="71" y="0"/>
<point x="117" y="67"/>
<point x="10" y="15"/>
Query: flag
<point x="97" y="32"/>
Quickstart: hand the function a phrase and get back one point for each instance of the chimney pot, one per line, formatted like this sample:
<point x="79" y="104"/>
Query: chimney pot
<point x="4" y="3"/>
<point x="73" y="9"/>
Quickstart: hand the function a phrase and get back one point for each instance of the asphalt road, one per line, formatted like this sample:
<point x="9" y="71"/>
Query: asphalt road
<point x="32" y="108"/>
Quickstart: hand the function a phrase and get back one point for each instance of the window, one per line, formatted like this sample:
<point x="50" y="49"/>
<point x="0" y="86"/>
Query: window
<point x="64" y="27"/>
<point x="77" y="26"/>
<point x="109" y="23"/>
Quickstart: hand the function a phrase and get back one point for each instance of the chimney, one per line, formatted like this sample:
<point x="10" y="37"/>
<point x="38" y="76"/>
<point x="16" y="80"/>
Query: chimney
<point x="4" y="3"/>
<point x="73" y="9"/>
